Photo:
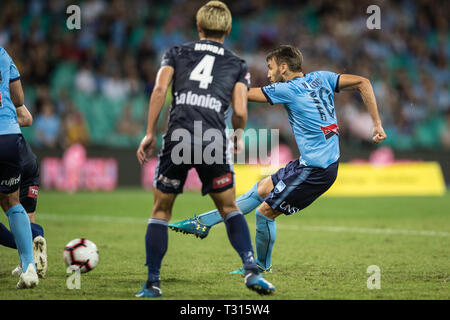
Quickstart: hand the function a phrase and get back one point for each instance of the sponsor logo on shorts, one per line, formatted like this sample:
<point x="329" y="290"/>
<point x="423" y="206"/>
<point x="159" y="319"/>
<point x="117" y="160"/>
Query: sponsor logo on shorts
<point x="288" y="208"/>
<point x="33" y="192"/>
<point x="169" y="182"/>
<point x="222" y="181"/>
<point x="10" y="182"/>
<point x="280" y="186"/>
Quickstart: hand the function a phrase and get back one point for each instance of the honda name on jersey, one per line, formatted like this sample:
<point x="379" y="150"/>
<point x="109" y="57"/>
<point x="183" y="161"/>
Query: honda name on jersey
<point x="209" y="47"/>
<point x="199" y="100"/>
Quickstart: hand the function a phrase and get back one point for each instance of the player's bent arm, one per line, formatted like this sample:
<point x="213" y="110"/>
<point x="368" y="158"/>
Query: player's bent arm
<point x="17" y="97"/>
<point x="256" y="95"/>
<point x="239" y="103"/>
<point x="163" y="80"/>
<point x="240" y="115"/>
<point x="24" y="116"/>
<point x="158" y="97"/>
<point x="348" y="82"/>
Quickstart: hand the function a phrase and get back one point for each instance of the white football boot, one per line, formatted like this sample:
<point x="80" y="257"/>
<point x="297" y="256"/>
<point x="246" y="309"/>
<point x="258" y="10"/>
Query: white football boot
<point x="28" y="279"/>
<point x="17" y="271"/>
<point x="40" y="255"/>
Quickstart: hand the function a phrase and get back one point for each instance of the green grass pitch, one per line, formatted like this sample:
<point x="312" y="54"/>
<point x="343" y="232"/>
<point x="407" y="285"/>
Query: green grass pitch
<point x="321" y="253"/>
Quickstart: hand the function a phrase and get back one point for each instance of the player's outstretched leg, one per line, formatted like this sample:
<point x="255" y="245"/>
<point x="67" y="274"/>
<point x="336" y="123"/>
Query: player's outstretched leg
<point x="201" y="224"/>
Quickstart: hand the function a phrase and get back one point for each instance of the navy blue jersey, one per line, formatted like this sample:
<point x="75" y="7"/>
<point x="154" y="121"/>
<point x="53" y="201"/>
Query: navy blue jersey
<point x="204" y="78"/>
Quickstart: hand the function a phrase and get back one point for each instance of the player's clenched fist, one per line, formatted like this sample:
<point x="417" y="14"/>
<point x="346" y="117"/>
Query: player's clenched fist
<point x="378" y="134"/>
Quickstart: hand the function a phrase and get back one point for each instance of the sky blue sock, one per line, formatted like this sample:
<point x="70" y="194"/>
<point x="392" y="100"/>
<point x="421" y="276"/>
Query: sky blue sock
<point x="246" y="203"/>
<point x="239" y="236"/>
<point x="6" y="237"/>
<point x="20" y="228"/>
<point x="265" y="239"/>
<point x="156" y="241"/>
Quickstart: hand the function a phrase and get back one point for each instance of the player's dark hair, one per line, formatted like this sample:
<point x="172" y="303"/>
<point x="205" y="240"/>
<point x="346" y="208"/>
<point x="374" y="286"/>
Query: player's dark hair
<point x="289" y="55"/>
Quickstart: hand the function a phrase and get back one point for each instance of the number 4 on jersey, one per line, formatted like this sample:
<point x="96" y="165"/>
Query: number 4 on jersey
<point x="202" y="71"/>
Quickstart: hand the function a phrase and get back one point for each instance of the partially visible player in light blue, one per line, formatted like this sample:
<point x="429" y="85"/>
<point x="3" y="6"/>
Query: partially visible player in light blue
<point x="29" y="188"/>
<point x="11" y="143"/>
<point x="309" y="103"/>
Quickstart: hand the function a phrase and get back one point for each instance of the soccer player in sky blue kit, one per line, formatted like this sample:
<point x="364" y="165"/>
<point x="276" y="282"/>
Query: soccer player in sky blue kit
<point x="309" y="103"/>
<point x="28" y="194"/>
<point x="11" y="146"/>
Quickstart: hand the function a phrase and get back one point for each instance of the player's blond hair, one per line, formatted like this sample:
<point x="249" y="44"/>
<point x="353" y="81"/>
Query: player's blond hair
<point x="214" y="18"/>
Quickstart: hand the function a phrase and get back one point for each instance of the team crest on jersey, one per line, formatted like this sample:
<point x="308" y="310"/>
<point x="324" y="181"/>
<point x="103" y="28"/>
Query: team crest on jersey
<point x="271" y="87"/>
<point x="280" y="186"/>
<point x="330" y="130"/>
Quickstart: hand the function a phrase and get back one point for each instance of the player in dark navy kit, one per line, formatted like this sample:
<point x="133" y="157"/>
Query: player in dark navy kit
<point x="206" y="78"/>
<point x="11" y="144"/>
<point x="309" y="103"/>
<point x="28" y="194"/>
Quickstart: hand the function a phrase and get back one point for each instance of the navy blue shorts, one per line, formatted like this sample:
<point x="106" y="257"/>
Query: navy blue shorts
<point x="297" y="186"/>
<point x="10" y="162"/>
<point x="170" y="177"/>
<point x="29" y="185"/>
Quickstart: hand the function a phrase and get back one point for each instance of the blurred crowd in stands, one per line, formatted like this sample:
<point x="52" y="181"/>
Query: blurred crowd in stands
<point x="92" y="85"/>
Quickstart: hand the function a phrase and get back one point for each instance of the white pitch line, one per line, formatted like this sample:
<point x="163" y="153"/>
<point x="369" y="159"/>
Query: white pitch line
<point x="366" y="230"/>
<point x="132" y="220"/>
<point x="62" y="217"/>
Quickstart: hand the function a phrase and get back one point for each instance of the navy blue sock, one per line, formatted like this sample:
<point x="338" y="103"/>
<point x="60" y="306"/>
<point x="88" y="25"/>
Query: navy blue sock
<point x="6" y="237"/>
<point x="37" y="230"/>
<point x="239" y="236"/>
<point x="156" y="240"/>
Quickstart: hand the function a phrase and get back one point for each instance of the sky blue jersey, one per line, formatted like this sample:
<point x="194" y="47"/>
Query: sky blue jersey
<point x="309" y="102"/>
<point x="8" y="114"/>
